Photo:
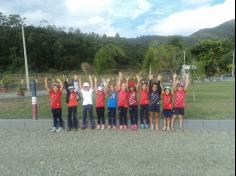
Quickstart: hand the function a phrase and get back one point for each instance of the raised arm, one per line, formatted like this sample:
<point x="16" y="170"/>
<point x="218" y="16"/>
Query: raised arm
<point x="61" y="84"/>
<point x="138" y="81"/>
<point x="150" y="77"/>
<point x="127" y="81"/>
<point x="95" y="84"/>
<point x="80" y="82"/>
<point x="159" y="80"/>
<point x="174" y="83"/>
<point x="186" y="82"/>
<point x="119" y="81"/>
<point x="46" y="84"/>
<point x="91" y="81"/>
<point x="75" y="82"/>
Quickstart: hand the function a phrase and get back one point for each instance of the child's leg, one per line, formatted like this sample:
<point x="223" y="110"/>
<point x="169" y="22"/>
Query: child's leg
<point x="151" y="122"/>
<point x="168" y="123"/>
<point x="98" y="116"/>
<point x="135" y="115"/>
<point x="157" y="120"/>
<point x="75" y="120"/>
<point x="147" y="114"/>
<point x="125" y="110"/>
<point x="59" y="117"/>
<point x="84" y="115"/>
<point x="113" y="115"/>
<point x="69" y="117"/>
<point x="173" y="121"/>
<point x="54" y="118"/>
<point x="164" y="124"/>
<point x="109" y="117"/>
<point x="181" y="121"/>
<point x="90" y="110"/>
<point x="131" y="114"/>
<point x="102" y="115"/>
<point x="121" y="117"/>
<point x="141" y="114"/>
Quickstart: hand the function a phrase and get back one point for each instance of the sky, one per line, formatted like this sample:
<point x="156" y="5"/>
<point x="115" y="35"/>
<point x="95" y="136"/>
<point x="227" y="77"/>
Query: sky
<point x="129" y="18"/>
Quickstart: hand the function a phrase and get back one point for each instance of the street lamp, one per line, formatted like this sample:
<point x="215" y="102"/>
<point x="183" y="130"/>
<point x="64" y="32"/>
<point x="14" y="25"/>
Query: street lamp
<point x="25" y="56"/>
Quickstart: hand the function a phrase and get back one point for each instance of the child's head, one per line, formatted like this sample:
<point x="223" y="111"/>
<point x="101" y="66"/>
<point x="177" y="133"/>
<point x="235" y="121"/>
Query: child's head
<point x="144" y="86"/>
<point x="86" y="86"/>
<point x="123" y="86"/>
<point x="111" y="87"/>
<point x="55" y="87"/>
<point x="180" y="86"/>
<point x="100" y="88"/>
<point x="154" y="87"/>
<point x="167" y="90"/>
<point x="71" y="88"/>
<point x="131" y="86"/>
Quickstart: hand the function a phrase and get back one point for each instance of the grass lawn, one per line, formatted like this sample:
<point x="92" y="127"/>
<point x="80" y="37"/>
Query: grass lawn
<point x="214" y="100"/>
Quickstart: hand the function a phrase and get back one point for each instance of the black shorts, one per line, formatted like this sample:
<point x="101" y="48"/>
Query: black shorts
<point x="167" y="113"/>
<point x="154" y="108"/>
<point x="178" y="111"/>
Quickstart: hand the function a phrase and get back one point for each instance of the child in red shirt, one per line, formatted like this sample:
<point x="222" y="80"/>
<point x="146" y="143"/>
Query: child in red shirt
<point x="178" y="91"/>
<point x="123" y="102"/>
<point x="72" y="98"/>
<point x="133" y="104"/>
<point x="100" y="105"/>
<point x="167" y="108"/>
<point x="55" y="94"/>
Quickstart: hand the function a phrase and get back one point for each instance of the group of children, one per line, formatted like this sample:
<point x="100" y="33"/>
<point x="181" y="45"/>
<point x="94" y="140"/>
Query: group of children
<point x="122" y="94"/>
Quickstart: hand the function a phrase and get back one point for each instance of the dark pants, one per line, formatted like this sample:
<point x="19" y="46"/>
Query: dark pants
<point x="144" y="113"/>
<point x="133" y="111"/>
<point x="123" y="115"/>
<point x="112" y="116"/>
<point x="72" y="117"/>
<point x="100" y="115"/>
<point x="89" y="109"/>
<point x="56" y="113"/>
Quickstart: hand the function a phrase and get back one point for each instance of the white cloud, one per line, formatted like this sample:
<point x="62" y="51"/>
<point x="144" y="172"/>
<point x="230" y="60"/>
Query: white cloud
<point x="142" y="7"/>
<point x="196" y="2"/>
<point x="189" y="21"/>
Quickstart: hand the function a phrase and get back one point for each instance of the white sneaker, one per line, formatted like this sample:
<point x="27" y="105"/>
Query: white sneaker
<point x="53" y="129"/>
<point x="59" y="129"/>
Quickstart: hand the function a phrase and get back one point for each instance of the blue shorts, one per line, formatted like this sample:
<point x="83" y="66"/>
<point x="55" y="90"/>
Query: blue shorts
<point x="154" y="108"/>
<point x="167" y="113"/>
<point x="178" y="111"/>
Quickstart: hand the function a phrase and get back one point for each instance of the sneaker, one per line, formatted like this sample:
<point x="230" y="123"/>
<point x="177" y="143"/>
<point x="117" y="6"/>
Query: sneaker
<point x="125" y="127"/>
<point x="53" y="129"/>
<point x="168" y="129"/>
<point x="146" y="126"/>
<point x="59" y="129"/>
<point x="83" y="127"/>
<point x="98" y="127"/>
<point x="114" y="127"/>
<point x="121" y="127"/>
<point x="142" y="126"/>
<point x="103" y="127"/>
<point x="109" y="127"/>
<point x="164" y="129"/>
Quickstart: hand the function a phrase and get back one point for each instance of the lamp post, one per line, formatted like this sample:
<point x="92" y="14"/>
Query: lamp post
<point x="25" y="57"/>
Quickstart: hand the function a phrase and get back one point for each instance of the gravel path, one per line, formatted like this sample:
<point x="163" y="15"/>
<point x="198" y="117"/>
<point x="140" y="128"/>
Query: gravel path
<point x="116" y="153"/>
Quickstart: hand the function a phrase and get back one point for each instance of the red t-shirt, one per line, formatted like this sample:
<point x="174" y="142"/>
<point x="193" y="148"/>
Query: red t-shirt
<point x="133" y="98"/>
<point x="144" y="98"/>
<point x="100" y="99"/>
<point x="179" y="99"/>
<point x="73" y="99"/>
<point x="55" y="99"/>
<point x="167" y="101"/>
<point x="123" y="99"/>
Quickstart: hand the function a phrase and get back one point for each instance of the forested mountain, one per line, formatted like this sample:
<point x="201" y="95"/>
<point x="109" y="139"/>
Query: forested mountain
<point x="51" y="48"/>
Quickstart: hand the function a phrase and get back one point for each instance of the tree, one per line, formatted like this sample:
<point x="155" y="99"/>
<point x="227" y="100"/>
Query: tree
<point x="108" y="57"/>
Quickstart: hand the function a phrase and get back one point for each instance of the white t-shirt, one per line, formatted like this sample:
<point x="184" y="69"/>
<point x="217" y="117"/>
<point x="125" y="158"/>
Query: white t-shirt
<point x="87" y="96"/>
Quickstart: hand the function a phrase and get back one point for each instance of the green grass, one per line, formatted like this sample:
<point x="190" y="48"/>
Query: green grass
<point x="215" y="100"/>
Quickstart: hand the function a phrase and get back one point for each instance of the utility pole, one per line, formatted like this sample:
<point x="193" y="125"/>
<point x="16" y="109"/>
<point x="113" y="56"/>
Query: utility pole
<point x="25" y="56"/>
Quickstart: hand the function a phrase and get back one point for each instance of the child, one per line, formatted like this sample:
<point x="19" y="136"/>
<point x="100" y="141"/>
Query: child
<point x="133" y="104"/>
<point x="111" y="104"/>
<point x="144" y="105"/>
<point x="87" y="94"/>
<point x="167" y="108"/>
<point x="100" y="105"/>
<point x="55" y="94"/>
<point x="123" y="102"/>
<point x="179" y="90"/>
<point x="154" y="101"/>
<point x="72" y="98"/>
